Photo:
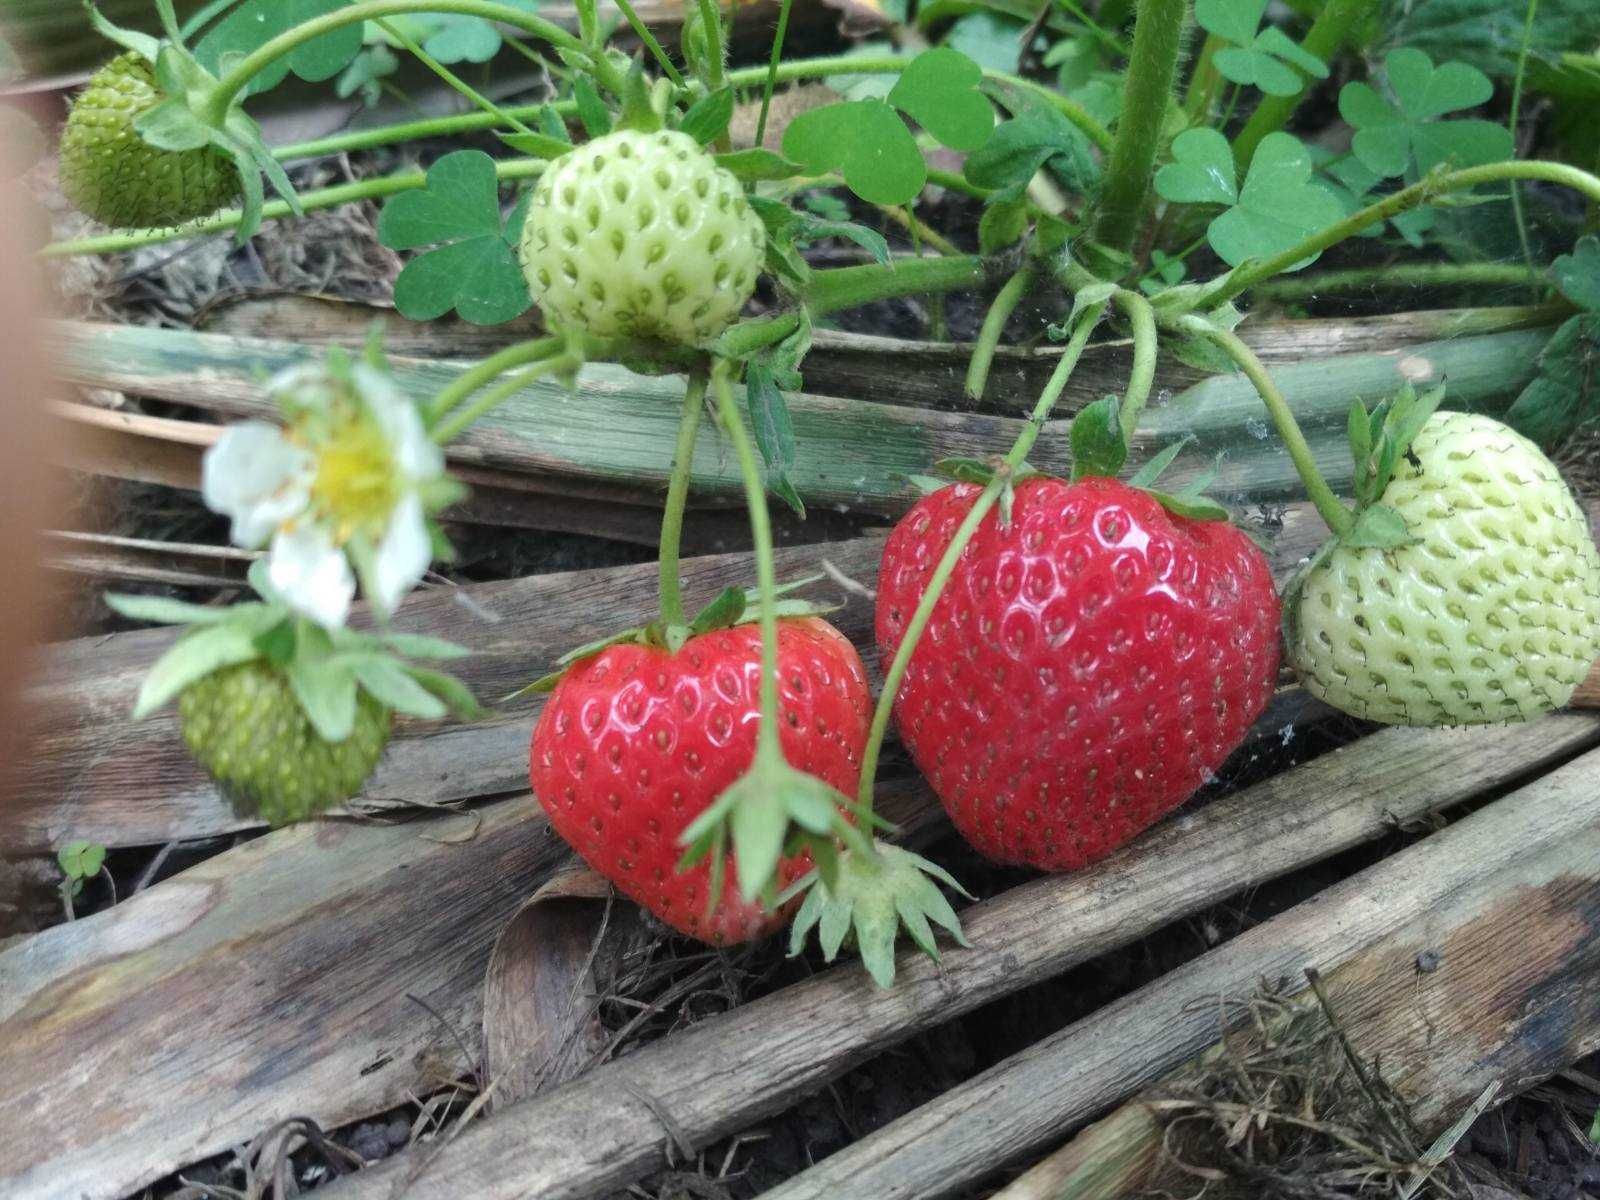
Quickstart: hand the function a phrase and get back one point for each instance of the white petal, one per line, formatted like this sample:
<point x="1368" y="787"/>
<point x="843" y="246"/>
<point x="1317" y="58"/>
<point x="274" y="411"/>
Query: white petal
<point x="402" y="556"/>
<point x="416" y="455"/>
<point x="256" y="477"/>
<point x="312" y="574"/>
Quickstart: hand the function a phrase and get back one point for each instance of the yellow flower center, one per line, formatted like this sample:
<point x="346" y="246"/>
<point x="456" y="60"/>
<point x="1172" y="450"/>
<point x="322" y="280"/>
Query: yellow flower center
<point x="355" y="488"/>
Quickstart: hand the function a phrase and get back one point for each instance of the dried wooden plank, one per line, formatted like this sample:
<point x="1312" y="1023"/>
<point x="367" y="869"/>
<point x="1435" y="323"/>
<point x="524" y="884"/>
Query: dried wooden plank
<point x="614" y="438"/>
<point x="1511" y="893"/>
<point x="95" y="775"/>
<point x="141" y="560"/>
<point x="602" y="1130"/>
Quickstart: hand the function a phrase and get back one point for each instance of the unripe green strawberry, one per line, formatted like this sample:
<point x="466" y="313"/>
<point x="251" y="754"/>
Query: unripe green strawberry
<point x="1491" y="614"/>
<point x="116" y="177"/>
<point x="245" y="727"/>
<point x="643" y="235"/>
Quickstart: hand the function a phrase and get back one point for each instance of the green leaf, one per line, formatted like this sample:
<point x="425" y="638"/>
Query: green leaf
<point x="81" y="860"/>
<point x="869" y="240"/>
<point x="1391" y="138"/>
<point x="474" y="268"/>
<point x="866" y="142"/>
<point x="458" y="698"/>
<point x="1565" y="394"/>
<point x="1360" y="433"/>
<point x="1098" y="447"/>
<point x="1279" y="205"/>
<point x="254" y="23"/>
<point x="939" y="90"/>
<point x="1037" y="136"/>
<point x="538" y="145"/>
<point x="1377" y="527"/>
<point x="326" y="691"/>
<point x="193" y="656"/>
<point x="1152" y="468"/>
<point x="1201" y="170"/>
<point x="389" y="683"/>
<point x="758" y="166"/>
<point x="1194" y="507"/>
<point x="160" y="611"/>
<point x="1233" y="21"/>
<point x="988" y="39"/>
<point x="708" y="117"/>
<point x="1488" y="33"/>
<point x="365" y="74"/>
<point x="277" y="644"/>
<point x="965" y="470"/>
<point x="171" y="126"/>
<point x="765" y="378"/>
<point x="1002" y="224"/>
<point x="592" y="111"/>
<point x="1260" y="59"/>
<point x="1578" y="274"/>
<point x="420" y="645"/>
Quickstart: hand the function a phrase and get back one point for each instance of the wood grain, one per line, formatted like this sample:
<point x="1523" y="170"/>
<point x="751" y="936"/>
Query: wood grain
<point x="1511" y="894"/>
<point x="596" y="1134"/>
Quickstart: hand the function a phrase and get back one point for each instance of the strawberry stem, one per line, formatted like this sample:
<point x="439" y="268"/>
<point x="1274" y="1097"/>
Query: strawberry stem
<point x="491" y="368"/>
<point x="1142" y="320"/>
<point x="456" y="424"/>
<point x="1332" y="510"/>
<point x="450" y="78"/>
<point x="1087" y="322"/>
<point x="755" y="496"/>
<point x="671" y="587"/>
<point x="994" y="324"/>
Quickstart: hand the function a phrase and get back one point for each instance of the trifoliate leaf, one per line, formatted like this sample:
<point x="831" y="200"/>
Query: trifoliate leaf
<point x="473" y="268"/>
<point x="1578" y="274"/>
<point x="254" y="23"/>
<point x="81" y="860"/>
<point x="1392" y="137"/>
<point x="1265" y="59"/>
<point x="939" y="90"/>
<point x="866" y="142"/>
<point x="365" y="74"/>
<point x="1566" y="392"/>
<point x="1164" y="272"/>
<point x="989" y="39"/>
<point x="1279" y="205"/>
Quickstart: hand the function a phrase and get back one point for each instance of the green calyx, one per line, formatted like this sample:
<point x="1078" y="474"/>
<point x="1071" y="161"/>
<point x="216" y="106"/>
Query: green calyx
<point x="154" y="141"/>
<point x="326" y="669"/>
<point x="732" y="607"/>
<point x="1378" y="441"/>
<point x="876" y="892"/>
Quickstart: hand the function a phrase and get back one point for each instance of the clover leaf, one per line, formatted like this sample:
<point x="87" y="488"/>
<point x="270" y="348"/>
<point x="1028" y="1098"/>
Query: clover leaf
<point x="473" y="266"/>
<point x="256" y="22"/>
<point x="1391" y="137"/>
<point x="1279" y="205"/>
<point x="1035" y="137"/>
<point x="1264" y="60"/>
<point x="1578" y="274"/>
<point x="868" y="143"/>
<point x="1352" y="182"/>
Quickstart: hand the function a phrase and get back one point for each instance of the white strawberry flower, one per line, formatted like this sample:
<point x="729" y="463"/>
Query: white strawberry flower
<point x="343" y="490"/>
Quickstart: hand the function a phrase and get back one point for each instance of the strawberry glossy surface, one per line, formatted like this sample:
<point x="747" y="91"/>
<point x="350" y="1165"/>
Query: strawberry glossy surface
<point x="636" y="742"/>
<point x="1086" y="669"/>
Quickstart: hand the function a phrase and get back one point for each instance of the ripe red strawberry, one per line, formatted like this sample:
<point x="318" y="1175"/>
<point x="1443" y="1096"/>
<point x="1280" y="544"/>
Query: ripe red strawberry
<point x="636" y="742"/>
<point x="1086" y="668"/>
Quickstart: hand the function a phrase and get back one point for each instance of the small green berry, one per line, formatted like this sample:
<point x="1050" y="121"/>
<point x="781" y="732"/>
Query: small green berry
<point x="245" y="727"/>
<point x="113" y="175"/>
<point x="642" y="235"/>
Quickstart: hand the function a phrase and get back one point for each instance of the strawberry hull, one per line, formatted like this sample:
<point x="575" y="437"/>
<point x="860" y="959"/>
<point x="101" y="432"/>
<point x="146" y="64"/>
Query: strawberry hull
<point x="636" y="742"/>
<point x="1086" y="669"/>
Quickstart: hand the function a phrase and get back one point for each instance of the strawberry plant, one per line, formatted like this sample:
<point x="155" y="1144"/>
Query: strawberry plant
<point x="1068" y="659"/>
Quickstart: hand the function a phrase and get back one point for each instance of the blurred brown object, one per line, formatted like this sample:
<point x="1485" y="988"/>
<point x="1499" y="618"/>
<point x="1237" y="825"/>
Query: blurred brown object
<point x="27" y="486"/>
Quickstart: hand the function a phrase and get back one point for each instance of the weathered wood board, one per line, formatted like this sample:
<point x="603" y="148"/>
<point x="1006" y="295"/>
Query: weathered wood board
<point x="599" y="1132"/>
<point x="1509" y="899"/>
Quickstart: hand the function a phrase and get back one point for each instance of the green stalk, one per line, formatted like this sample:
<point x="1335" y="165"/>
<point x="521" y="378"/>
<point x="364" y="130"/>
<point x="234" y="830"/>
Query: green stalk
<point x="1335" y="25"/>
<point x="671" y="586"/>
<point x="228" y="218"/>
<point x="1401" y="275"/>
<point x="451" y="78"/>
<point x="1336" y="515"/>
<point x="850" y="287"/>
<point x="1511" y="125"/>
<point x="1243" y="278"/>
<point x="778" y="36"/>
<point x="994" y="324"/>
<point x="840" y="64"/>
<point x="247" y="68"/>
<point x="1157" y="41"/>
<point x="456" y="424"/>
<point x="958" y="544"/>
<point x="642" y="32"/>
<point x="716" y="65"/>
<point x="755" y="497"/>
<point x="491" y="368"/>
<point x="1203" y="82"/>
<point x="1142" y="320"/>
